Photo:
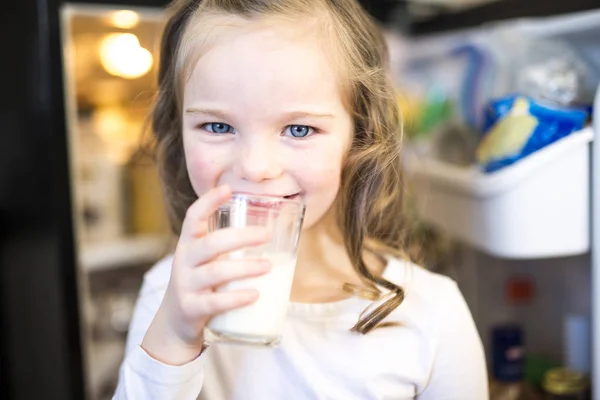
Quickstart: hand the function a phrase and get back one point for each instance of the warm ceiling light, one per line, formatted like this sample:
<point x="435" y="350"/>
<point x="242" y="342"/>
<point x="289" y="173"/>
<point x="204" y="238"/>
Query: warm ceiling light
<point x="124" y="19"/>
<point x="121" y="55"/>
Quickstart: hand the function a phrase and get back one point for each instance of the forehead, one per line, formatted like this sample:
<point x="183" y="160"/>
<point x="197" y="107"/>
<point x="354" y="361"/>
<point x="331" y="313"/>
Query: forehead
<point x="283" y="60"/>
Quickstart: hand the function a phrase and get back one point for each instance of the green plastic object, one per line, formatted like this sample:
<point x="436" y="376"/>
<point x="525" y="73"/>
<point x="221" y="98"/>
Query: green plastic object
<point x="536" y="367"/>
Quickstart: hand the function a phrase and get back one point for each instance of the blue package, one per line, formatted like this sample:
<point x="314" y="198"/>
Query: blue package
<point x="508" y="353"/>
<point x="551" y="124"/>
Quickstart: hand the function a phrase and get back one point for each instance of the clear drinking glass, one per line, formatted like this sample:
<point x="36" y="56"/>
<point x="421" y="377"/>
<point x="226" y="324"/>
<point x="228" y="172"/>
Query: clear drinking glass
<point x="260" y="323"/>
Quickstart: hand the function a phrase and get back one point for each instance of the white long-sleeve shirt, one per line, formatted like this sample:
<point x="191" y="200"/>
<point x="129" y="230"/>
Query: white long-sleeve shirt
<point x="434" y="354"/>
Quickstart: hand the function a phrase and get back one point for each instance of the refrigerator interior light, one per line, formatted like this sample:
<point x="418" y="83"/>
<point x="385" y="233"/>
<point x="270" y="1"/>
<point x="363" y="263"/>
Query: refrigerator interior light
<point x="122" y="55"/>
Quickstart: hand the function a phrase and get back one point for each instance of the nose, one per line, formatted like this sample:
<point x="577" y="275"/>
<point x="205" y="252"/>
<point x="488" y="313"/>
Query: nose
<point x="257" y="160"/>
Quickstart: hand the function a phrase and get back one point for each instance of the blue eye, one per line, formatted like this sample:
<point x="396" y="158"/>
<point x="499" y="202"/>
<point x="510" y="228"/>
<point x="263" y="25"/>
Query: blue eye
<point x="218" y="128"/>
<point x="299" y="131"/>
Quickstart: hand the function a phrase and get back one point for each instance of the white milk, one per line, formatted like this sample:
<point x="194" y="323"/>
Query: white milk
<point x="261" y="321"/>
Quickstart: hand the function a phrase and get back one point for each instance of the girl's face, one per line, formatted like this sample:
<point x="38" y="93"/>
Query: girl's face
<point x="263" y="113"/>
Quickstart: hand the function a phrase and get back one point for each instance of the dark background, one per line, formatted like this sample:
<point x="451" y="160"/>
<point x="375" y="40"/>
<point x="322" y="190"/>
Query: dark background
<point x="40" y="347"/>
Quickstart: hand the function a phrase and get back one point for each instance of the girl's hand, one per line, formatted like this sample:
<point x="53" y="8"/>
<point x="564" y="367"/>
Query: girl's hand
<point x="175" y="336"/>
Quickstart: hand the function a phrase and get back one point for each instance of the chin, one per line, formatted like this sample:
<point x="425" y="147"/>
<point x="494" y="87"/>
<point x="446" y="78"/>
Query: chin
<point x="317" y="215"/>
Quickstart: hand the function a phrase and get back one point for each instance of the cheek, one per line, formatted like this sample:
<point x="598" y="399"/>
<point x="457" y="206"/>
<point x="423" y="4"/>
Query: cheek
<point x="203" y="168"/>
<point x="321" y="182"/>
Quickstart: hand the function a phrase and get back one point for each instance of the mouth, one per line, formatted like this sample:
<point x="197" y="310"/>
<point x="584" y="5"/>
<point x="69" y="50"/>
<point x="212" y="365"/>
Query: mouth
<point x="269" y="201"/>
<point x="292" y="196"/>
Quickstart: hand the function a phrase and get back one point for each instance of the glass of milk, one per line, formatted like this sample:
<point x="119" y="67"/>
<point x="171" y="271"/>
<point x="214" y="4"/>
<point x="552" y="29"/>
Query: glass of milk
<point x="260" y="323"/>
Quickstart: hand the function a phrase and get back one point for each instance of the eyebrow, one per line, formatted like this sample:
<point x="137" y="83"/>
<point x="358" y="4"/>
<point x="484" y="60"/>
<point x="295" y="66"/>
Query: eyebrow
<point x="290" y="115"/>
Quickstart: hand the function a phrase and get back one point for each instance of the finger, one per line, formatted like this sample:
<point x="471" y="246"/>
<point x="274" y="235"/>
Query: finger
<point x="223" y="241"/>
<point x="197" y="215"/>
<point x="220" y="272"/>
<point x="210" y="304"/>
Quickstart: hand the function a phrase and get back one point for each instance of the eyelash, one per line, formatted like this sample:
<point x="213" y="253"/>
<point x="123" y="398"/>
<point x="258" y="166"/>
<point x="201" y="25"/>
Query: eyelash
<point x="312" y="130"/>
<point x="205" y="127"/>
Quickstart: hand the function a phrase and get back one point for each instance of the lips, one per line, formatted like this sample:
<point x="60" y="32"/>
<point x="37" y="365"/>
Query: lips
<point x="280" y="196"/>
<point x="261" y="203"/>
<point x="293" y="196"/>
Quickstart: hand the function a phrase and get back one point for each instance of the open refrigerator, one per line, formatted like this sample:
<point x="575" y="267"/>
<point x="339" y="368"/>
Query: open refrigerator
<point x="527" y="227"/>
<point x="526" y="236"/>
<point x="76" y="187"/>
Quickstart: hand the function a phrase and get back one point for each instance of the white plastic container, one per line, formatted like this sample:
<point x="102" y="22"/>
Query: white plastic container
<point x="535" y="208"/>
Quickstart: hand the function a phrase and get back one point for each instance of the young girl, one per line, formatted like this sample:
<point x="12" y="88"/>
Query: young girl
<point x="291" y="98"/>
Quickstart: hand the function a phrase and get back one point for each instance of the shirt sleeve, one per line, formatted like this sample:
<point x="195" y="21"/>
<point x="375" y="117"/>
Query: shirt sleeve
<point x="141" y="376"/>
<point x="459" y="369"/>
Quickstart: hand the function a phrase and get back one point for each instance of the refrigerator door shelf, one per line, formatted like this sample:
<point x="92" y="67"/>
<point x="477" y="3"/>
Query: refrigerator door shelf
<point x="123" y="252"/>
<point x="535" y="208"/>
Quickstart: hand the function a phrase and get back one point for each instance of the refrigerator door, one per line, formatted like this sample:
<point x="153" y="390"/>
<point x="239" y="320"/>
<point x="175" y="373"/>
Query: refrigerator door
<point x="40" y="346"/>
<point x="42" y="288"/>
